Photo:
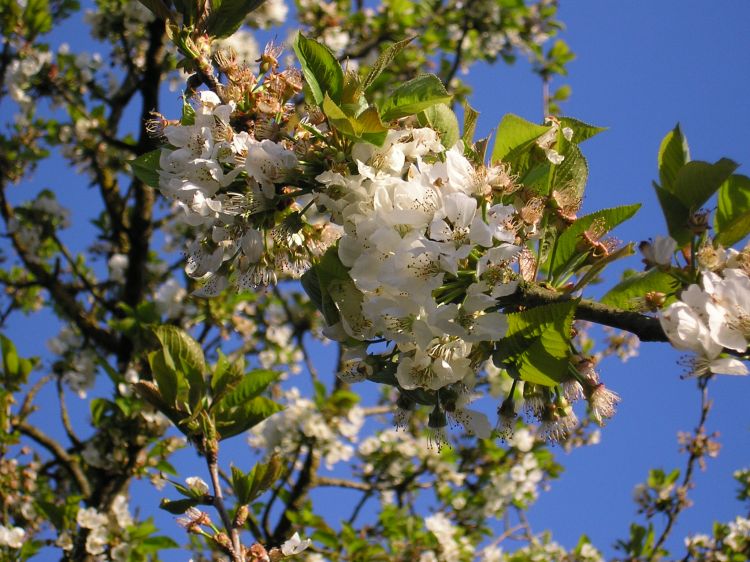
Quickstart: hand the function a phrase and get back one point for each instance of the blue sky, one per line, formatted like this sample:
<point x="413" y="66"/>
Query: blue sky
<point x="641" y="68"/>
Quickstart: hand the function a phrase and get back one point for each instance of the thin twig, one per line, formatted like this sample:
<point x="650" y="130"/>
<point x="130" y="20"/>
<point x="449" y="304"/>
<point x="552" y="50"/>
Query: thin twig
<point x="341" y="483"/>
<point x="64" y="415"/>
<point x="74" y="268"/>
<point x="213" y="470"/>
<point x="70" y="463"/>
<point x="27" y="405"/>
<point x="687" y="481"/>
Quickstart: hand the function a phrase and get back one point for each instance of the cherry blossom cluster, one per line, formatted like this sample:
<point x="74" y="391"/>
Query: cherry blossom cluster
<point x="714" y="316"/>
<point x="106" y="531"/>
<point x="206" y="158"/>
<point x="227" y="165"/>
<point x="301" y="421"/>
<point x="420" y="230"/>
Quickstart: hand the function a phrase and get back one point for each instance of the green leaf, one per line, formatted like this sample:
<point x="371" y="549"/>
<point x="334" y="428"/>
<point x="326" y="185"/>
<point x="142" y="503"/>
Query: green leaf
<point x="233" y="421"/>
<point x="250" y="486"/>
<point x="227" y="375"/>
<point x="414" y="96"/>
<point x="566" y="250"/>
<point x="11" y="363"/>
<point x="178" y="507"/>
<point x="676" y="214"/>
<point x="514" y="136"/>
<point x="572" y="173"/>
<point x="187" y="355"/>
<point x="37" y="17"/>
<point x="146" y="167"/>
<point x="158" y="8"/>
<point x="383" y="61"/>
<point x="240" y="486"/>
<point x="364" y="126"/>
<point x="471" y="116"/>
<point x="188" y="114"/>
<point x="322" y="71"/>
<point x="251" y="386"/>
<point x="153" y="545"/>
<point x="166" y="376"/>
<point x="227" y="16"/>
<point x="538" y="343"/>
<point x="673" y="155"/>
<point x="348" y="299"/>
<point x="441" y="118"/>
<point x="99" y="408"/>
<point x="581" y="131"/>
<point x="697" y="181"/>
<point x="311" y="284"/>
<point x="189" y="11"/>
<point x="352" y="94"/>
<point x="628" y="293"/>
<point x="732" y="221"/>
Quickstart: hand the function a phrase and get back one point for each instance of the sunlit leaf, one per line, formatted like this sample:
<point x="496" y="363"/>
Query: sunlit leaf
<point x="323" y="73"/>
<point x="733" y="212"/>
<point x="414" y="96"/>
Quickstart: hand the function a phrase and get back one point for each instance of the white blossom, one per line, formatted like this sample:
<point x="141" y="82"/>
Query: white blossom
<point x="12" y="536"/>
<point x="294" y="545"/>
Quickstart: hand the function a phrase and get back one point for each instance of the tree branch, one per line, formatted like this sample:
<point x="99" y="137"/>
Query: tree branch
<point x="647" y="328"/>
<point x="59" y="292"/>
<point x="70" y="463"/>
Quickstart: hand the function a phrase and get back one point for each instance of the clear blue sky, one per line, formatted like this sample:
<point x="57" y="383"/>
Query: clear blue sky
<point x="641" y="67"/>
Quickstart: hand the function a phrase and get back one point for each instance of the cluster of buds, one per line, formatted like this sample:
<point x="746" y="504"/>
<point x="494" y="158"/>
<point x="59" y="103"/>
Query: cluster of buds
<point x="552" y="407"/>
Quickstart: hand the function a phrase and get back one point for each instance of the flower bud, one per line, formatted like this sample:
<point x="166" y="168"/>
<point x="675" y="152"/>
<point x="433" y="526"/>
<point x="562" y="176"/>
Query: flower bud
<point x="241" y="516"/>
<point x="223" y="540"/>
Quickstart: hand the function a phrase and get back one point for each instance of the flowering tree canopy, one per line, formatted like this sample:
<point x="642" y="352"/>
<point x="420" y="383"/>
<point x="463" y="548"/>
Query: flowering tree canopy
<point x="331" y="191"/>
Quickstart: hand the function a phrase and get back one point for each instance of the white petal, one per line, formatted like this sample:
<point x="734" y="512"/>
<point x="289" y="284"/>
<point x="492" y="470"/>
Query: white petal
<point x="728" y="366"/>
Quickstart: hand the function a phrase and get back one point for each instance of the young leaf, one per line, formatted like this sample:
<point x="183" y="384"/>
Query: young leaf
<point x="187" y="356"/>
<point x="673" y="155"/>
<point x="384" y="60"/>
<point x="233" y="421"/>
<point x="330" y="270"/>
<point x="414" y="96"/>
<point x="676" y="214"/>
<point x="322" y="71"/>
<point x="251" y="386"/>
<point x="166" y="376"/>
<point x="348" y="300"/>
<point x="365" y="126"/>
<point x="11" y="361"/>
<point x="441" y="118"/>
<point x="261" y="477"/>
<point x="227" y="17"/>
<point x="471" y="116"/>
<point x="227" y="374"/>
<point x="628" y="294"/>
<point x="37" y="17"/>
<point x="241" y="486"/>
<point x="572" y="173"/>
<point x="581" y="131"/>
<point x="732" y="222"/>
<point x="178" y="507"/>
<point x="565" y="251"/>
<point x="146" y="167"/>
<point x="697" y="181"/>
<point x="538" y="343"/>
<point x="311" y="284"/>
<point x="514" y="136"/>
